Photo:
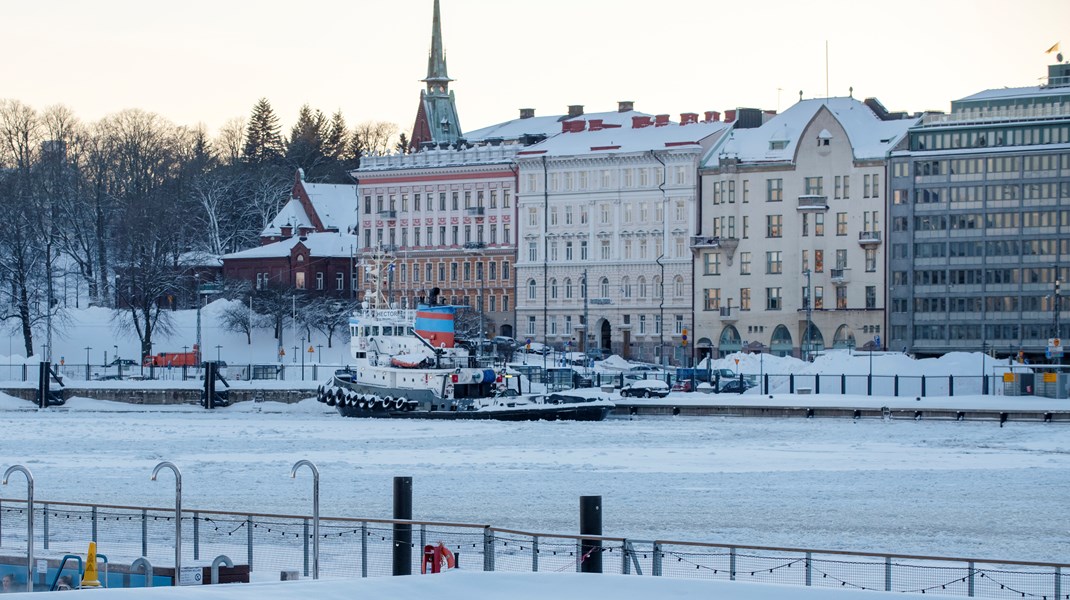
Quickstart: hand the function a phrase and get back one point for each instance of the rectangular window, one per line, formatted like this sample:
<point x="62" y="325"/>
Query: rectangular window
<point x="605" y="250"/>
<point x="819" y="224"/>
<point x="774" y="190"/>
<point x="533" y="217"/>
<point x="340" y="281"/>
<point x="744" y="299"/>
<point x="746" y="191"/>
<point x="583" y="250"/>
<point x="814" y="186"/>
<point x="871" y="260"/>
<point x="871" y="297"/>
<point x="531" y="325"/>
<point x="533" y="251"/>
<point x="841" y="259"/>
<point x="841" y="223"/>
<point x="847" y="186"/>
<point x="773" y="262"/>
<point x="568" y="250"/>
<point x="712" y="264"/>
<point x="838" y="189"/>
<point x="841" y="297"/>
<point x="819" y="297"/>
<point x="712" y="299"/>
<point x="774" y="226"/>
<point x="773" y="300"/>
<point x="744" y="263"/>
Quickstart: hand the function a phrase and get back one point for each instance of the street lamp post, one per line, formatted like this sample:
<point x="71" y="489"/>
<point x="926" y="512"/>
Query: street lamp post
<point x="87" y="349"/>
<point x="29" y="519"/>
<point x="178" y="511"/>
<point x="809" y="307"/>
<point x="197" y="291"/>
<point x="319" y="355"/>
<point x="218" y="347"/>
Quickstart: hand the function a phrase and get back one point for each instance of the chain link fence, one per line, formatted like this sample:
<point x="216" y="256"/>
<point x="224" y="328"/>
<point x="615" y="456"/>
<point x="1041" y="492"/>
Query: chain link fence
<point x="364" y="548"/>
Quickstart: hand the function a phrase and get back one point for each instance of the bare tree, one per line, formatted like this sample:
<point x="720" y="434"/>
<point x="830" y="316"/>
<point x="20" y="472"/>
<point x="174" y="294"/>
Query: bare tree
<point x="231" y="140"/>
<point x="373" y="137"/>
<point x="329" y="315"/>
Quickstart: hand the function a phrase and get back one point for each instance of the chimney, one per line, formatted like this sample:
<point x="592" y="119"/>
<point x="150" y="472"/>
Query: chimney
<point x="712" y="116"/>
<point x="625" y="106"/>
<point x="287" y="231"/>
<point x="575" y="110"/>
<point x="688" y="118"/>
<point x="640" y="122"/>
<point x="661" y="120"/>
<point x="595" y="125"/>
<point x="527" y="113"/>
<point x="730" y="116"/>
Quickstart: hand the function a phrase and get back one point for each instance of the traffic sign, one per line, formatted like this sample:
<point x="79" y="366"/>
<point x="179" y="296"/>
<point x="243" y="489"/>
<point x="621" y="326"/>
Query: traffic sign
<point x="877" y="340"/>
<point x="1055" y="347"/>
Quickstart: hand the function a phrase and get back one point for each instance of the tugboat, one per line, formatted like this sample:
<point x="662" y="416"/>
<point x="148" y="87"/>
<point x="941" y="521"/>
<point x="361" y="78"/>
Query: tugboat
<point x="405" y="365"/>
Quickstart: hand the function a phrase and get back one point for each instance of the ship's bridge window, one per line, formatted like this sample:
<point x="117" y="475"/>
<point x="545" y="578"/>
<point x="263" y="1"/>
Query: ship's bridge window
<point x="374" y="330"/>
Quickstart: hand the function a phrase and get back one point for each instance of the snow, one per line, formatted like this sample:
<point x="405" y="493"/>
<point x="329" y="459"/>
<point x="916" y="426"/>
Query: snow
<point x="318" y="243"/>
<point x="869" y="136"/>
<point x="549" y="126"/>
<point x="628" y="140"/>
<point x="900" y="486"/>
<point x="469" y="585"/>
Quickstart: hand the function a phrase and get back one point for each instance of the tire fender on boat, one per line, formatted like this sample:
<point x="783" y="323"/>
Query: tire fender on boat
<point x="399" y="403"/>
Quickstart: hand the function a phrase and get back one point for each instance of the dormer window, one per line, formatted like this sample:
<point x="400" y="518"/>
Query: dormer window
<point x="778" y="144"/>
<point x="823" y="138"/>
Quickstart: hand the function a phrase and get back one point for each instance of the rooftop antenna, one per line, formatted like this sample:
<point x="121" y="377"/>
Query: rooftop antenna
<point x="778" y="90"/>
<point x="826" y="70"/>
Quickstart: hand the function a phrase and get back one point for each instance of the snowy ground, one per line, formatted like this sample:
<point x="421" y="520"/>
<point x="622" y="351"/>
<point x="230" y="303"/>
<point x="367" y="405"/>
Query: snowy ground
<point x="933" y="488"/>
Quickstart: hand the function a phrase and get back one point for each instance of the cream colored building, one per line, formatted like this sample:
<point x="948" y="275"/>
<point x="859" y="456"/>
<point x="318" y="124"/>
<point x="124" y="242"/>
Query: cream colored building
<point x="610" y="201"/>
<point x="792" y="210"/>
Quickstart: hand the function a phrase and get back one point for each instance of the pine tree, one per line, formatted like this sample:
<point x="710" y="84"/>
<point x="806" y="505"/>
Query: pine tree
<point x="263" y="137"/>
<point x="403" y="143"/>
<point x="305" y="149"/>
<point x="337" y="132"/>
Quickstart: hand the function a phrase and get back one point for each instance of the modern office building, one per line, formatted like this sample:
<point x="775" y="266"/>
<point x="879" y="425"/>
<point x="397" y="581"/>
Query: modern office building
<point x="789" y="256"/>
<point x="980" y="223"/>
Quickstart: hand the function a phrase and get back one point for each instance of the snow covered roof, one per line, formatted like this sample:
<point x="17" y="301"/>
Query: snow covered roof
<point x="324" y="244"/>
<point x="626" y="139"/>
<point x="870" y="137"/>
<point x="548" y="126"/>
<point x="1013" y="93"/>
<point x="199" y="258"/>
<point x="335" y="205"/>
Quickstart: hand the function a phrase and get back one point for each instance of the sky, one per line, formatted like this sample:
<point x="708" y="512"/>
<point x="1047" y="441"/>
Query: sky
<point x="204" y="61"/>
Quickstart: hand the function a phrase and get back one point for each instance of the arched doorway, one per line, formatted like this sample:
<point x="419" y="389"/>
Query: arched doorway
<point x="730" y="340"/>
<point x="781" y="344"/>
<point x="605" y="336"/>
<point x="507" y="330"/>
<point x="844" y="338"/>
<point x="813" y="343"/>
<point x="704" y="348"/>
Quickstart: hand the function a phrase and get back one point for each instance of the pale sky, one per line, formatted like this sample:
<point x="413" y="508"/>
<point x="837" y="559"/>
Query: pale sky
<point x="201" y="61"/>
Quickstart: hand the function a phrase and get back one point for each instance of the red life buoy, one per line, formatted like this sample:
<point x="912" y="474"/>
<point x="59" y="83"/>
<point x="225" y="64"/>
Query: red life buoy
<point x="437" y="558"/>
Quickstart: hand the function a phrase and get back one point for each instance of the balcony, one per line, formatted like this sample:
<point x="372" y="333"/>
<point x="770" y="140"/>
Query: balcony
<point x="390" y="249"/>
<point x="474" y="211"/>
<point x="388" y="214"/>
<point x="599" y="301"/>
<point x="728" y="315"/>
<point x="840" y="276"/>
<point x="813" y="203"/>
<point x="474" y="247"/>
<point x="869" y="238"/>
<point x="715" y="243"/>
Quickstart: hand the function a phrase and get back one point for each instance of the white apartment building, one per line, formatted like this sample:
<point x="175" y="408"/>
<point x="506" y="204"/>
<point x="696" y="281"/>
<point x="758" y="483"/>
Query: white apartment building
<point x="605" y="218"/>
<point x="791" y="230"/>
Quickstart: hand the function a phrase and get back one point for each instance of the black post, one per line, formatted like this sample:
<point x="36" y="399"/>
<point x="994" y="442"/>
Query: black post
<point x="817" y="384"/>
<point x="950" y="385"/>
<point x="765" y="383"/>
<point x="923" y="386"/>
<point x="591" y="524"/>
<point x="896" y="384"/>
<point x="403" y="531"/>
<point x="791" y="383"/>
<point x="209" y="384"/>
<point x="869" y="384"/>
<point x="843" y="383"/>
<point x="43" y="381"/>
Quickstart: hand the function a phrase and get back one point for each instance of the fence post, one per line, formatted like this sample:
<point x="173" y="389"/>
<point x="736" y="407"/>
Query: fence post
<point x="46" y="525"/>
<point x="534" y="554"/>
<point x="843" y="384"/>
<point x="423" y="537"/>
<point x="817" y="384"/>
<point x="950" y="385"/>
<point x="144" y="532"/>
<point x="791" y="383"/>
<point x="305" y="549"/>
<point x="895" y="385"/>
<point x="765" y="384"/>
<point x="93" y="518"/>
<point x="809" y="569"/>
<point x="969" y="585"/>
<point x="887" y="573"/>
<point x="1058" y="581"/>
<point x="655" y="566"/>
<point x="923" y="386"/>
<point x="732" y="563"/>
<point x="1" y="524"/>
<point x="869" y="384"/>
<point x="364" y="549"/>
<point x="590" y="524"/>
<point x="249" y="539"/>
<point x="579" y="556"/>
<point x="488" y="549"/>
<point x="402" y="552"/>
<point x="625" y="568"/>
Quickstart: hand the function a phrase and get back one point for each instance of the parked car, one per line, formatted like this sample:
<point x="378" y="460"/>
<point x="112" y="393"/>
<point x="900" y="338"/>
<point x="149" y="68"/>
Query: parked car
<point x="504" y="341"/>
<point x="644" y="367"/>
<point x="645" y="388"/>
<point x="536" y="348"/>
<point x="734" y="386"/>
<point x="683" y="385"/>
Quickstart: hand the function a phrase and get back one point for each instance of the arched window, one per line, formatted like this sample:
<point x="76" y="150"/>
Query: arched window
<point x="659" y="289"/>
<point x="553" y="289"/>
<point x="781" y="344"/>
<point x="531" y="289"/>
<point x="625" y="287"/>
<point x="642" y="287"/>
<point x="730" y="340"/>
<point x="568" y="288"/>
<point x="844" y="338"/>
<point x="678" y="287"/>
<point x="603" y="288"/>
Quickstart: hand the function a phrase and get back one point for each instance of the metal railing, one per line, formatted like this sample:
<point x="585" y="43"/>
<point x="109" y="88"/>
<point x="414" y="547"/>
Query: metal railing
<point x="361" y="547"/>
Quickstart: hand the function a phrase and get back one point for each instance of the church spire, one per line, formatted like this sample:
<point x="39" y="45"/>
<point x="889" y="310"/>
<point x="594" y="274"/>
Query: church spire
<point x="437" y="79"/>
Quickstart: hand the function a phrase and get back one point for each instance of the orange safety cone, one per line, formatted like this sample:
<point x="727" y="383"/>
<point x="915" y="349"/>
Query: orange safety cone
<point x="89" y="577"/>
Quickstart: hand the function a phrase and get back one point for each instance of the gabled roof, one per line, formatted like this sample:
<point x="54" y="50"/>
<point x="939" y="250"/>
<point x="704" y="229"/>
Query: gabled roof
<point x="335" y="207"/>
<point x="870" y="137"/>
<point x="626" y="139"/>
<point x="329" y="244"/>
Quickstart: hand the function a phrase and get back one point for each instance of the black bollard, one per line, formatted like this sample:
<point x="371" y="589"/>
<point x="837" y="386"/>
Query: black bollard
<point x="403" y="531"/>
<point x="591" y="524"/>
<point x="44" y="380"/>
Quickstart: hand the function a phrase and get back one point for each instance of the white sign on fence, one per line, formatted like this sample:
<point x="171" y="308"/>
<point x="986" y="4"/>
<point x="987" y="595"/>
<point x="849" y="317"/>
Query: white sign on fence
<point x="1055" y="347"/>
<point x="190" y="576"/>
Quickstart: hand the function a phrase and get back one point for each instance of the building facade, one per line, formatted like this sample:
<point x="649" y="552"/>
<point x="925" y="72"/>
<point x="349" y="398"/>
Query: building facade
<point x="605" y="217"/>
<point x="980" y="224"/>
<point x="789" y="256"/>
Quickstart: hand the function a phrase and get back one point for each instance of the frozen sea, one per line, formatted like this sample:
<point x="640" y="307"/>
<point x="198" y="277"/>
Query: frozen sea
<point x="959" y="489"/>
